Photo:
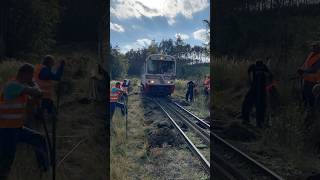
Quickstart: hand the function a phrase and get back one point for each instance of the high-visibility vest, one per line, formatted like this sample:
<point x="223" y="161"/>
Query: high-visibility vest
<point x="114" y="96"/>
<point x="13" y="113"/>
<point x="45" y="85"/>
<point x="311" y="60"/>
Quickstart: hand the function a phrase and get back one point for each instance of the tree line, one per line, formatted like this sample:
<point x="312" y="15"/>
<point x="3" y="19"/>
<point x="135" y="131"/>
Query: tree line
<point x="131" y="62"/>
<point x="265" y="27"/>
<point x="35" y="27"/>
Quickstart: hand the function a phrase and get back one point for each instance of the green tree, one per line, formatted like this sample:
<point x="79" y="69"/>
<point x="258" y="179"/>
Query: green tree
<point x="28" y="26"/>
<point x="118" y="64"/>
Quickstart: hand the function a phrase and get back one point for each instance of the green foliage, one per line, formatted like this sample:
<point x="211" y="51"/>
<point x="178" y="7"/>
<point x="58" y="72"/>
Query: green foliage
<point x="184" y="53"/>
<point x="118" y="64"/>
<point x="31" y="26"/>
<point x="79" y="20"/>
<point x="265" y="31"/>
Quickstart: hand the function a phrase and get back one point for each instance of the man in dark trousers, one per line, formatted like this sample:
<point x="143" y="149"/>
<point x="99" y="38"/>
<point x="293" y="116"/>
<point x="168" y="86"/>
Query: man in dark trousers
<point x="14" y="113"/>
<point x="256" y="95"/>
<point x="190" y="87"/>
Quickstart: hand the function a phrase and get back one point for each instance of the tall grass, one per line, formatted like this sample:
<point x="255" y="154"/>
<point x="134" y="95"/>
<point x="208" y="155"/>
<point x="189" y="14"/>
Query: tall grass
<point x="74" y="119"/>
<point x="200" y="103"/>
<point x="287" y="123"/>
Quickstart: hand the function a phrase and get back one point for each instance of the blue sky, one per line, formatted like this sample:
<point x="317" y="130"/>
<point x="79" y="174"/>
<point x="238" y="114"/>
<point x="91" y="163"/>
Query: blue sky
<point x="134" y="23"/>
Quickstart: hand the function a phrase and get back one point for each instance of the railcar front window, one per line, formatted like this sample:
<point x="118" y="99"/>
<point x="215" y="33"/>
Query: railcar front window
<point x="160" y="67"/>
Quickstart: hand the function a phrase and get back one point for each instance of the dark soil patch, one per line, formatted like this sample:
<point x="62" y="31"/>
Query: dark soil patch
<point x="237" y="132"/>
<point x="161" y="136"/>
<point x="164" y="124"/>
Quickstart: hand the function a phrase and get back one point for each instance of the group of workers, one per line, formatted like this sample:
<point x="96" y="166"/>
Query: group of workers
<point x="24" y="98"/>
<point x="192" y="89"/>
<point x="262" y="84"/>
<point x="118" y="96"/>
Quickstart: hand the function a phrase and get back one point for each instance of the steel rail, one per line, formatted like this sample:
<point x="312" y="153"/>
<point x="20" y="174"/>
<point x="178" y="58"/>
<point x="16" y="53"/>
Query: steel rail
<point x="243" y="155"/>
<point x="248" y="158"/>
<point x="200" y="131"/>
<point x="191" y="114"/>
<point x="193" y="148"/>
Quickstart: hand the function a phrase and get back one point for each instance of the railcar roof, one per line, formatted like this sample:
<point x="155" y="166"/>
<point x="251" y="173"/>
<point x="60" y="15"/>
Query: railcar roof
<point x="165" y="57"/>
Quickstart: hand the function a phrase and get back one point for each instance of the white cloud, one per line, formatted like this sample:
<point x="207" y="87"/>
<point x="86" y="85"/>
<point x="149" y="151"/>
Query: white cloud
<point x="124" y="9"/>
<point x="183" y="36"/>
<point x="201" y="35"/>
<point x="143" y="42"/>
<point x="139" y="43"/>
<point x="116" y="27"/>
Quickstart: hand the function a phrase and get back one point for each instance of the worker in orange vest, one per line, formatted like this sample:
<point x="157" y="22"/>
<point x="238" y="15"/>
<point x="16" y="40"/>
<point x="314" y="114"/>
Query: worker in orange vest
<point x="115" y="94"/>
<point x="207" y="85"/>
<point x="44" y="77"/>
<point x="13" y="115"/>
<point x="310" y="74"/>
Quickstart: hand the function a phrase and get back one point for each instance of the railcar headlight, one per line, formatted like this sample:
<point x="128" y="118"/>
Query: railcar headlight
<point x="152" y="81"/>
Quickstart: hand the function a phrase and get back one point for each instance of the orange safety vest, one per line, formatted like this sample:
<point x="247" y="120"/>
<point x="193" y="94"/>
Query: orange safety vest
<point x="114" y="96"/>
<point x="311" y="60"/>
<point x="45" y="85"/>
<point x="13" y="113"/>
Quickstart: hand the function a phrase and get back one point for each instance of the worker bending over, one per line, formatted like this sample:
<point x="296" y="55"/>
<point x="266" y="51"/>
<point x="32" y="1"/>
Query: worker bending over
<point x="14" y="102"/>
<point x="256" y="95"/>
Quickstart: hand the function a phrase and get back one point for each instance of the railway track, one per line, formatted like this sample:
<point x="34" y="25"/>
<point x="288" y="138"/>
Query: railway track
<point x="195" y="138"/>
<point x="228" y="162"/>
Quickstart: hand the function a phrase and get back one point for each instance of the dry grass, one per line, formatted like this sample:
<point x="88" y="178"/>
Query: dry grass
<point x="132" y="159"/>
<point x="286" y="136"/>
<point x="127" y="154"/>
<point x="199" y="106"/>
<point x="78" y="122"/>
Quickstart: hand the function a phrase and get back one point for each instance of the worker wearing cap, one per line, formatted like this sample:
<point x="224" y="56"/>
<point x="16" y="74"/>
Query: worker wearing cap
<point x="310" y="74"/>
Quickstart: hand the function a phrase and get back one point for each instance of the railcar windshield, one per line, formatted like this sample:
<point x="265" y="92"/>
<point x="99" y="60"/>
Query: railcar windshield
<point x="160" y="67"/>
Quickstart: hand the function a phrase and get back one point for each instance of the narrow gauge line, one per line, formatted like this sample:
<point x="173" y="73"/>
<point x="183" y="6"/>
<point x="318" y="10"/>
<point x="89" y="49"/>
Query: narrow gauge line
<point x="193" y="148"/>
